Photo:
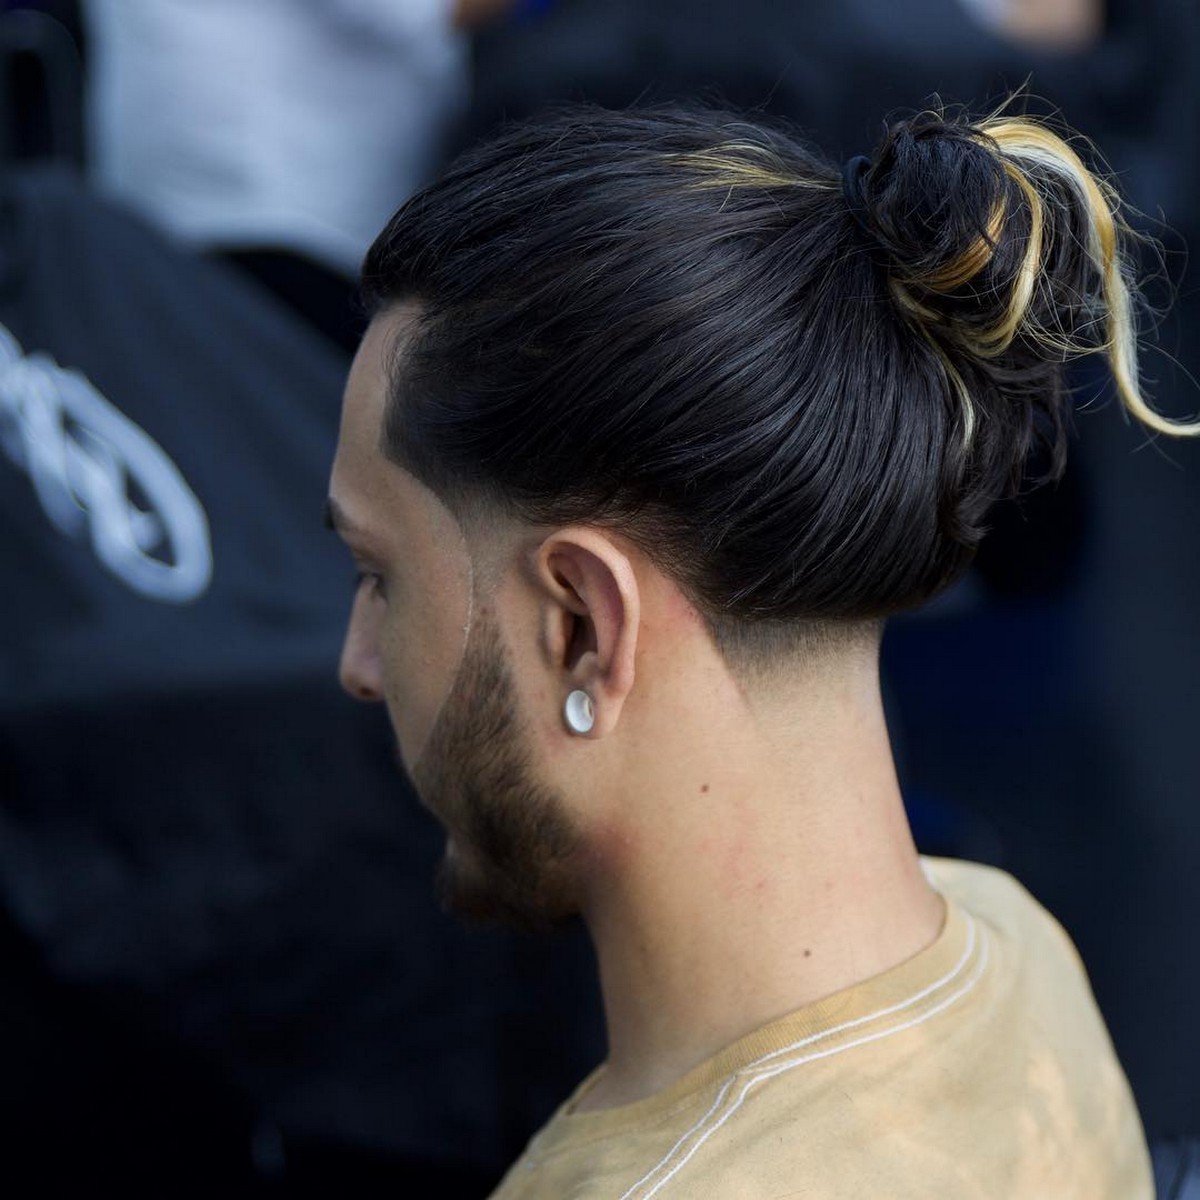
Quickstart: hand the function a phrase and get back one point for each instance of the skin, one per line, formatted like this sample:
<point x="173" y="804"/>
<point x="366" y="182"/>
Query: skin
<point x="471" y="14"/>
<point x="1055" y="25"/>
<point x="736" y="846"/>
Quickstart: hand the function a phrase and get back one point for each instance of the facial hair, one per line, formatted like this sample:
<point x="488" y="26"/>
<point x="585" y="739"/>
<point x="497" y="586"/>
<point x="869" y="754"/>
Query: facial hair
<point x="510" y="845"/>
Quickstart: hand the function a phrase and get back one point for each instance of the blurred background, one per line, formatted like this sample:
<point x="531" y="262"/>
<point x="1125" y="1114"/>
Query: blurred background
<point x="220" y="961"/>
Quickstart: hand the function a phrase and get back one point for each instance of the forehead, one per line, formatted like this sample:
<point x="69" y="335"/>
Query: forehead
<point x="364" y="400"/>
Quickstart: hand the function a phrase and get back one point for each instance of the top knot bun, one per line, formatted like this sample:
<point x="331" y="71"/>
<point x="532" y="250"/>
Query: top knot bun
<point x="936" y="196"/>
<point x="1002" y="243"/>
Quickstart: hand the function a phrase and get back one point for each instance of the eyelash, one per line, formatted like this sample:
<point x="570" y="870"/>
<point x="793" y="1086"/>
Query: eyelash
<point x="369" y="577"/>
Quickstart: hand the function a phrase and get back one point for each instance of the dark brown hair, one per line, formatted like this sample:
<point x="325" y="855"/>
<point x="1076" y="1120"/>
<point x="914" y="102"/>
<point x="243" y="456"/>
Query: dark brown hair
<point x="800" y="395"/>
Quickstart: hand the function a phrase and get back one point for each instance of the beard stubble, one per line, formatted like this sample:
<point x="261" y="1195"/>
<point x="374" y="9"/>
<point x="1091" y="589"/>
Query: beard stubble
<point x="510" y="845"/>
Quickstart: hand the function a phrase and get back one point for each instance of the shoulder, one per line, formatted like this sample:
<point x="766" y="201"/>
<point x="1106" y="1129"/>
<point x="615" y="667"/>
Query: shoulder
<point x="1029" y="941"/>
<point x="1011" y="1088"/>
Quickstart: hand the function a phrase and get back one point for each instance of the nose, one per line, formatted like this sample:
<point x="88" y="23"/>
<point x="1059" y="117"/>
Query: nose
<point x="360" y="670"/>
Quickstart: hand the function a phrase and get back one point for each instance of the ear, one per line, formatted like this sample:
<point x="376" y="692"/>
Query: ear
<point x="591" y="611"/>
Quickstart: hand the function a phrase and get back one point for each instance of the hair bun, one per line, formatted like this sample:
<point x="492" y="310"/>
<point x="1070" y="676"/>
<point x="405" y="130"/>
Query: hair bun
<point x="954" y="223"/>
<point x="1004" y="248"/>
<point x="934" y="194"/>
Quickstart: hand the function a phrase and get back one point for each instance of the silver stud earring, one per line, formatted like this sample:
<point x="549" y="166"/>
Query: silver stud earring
<point x="579" y="712"/>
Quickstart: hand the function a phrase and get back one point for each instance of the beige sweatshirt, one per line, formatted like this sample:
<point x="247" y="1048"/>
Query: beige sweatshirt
<point x="979" y="1068"/>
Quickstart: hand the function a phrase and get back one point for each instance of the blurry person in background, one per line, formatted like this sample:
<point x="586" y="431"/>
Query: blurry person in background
<point x="279" y="133"/>
<point x="1059" y="25"/>
<point x="659" y="417"/>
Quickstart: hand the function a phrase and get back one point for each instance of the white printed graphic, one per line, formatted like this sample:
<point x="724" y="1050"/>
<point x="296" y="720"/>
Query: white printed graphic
<point x="98" y="475"/>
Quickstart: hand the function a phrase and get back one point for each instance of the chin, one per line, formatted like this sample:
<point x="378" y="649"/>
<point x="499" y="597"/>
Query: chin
<point x="476" y="891"/>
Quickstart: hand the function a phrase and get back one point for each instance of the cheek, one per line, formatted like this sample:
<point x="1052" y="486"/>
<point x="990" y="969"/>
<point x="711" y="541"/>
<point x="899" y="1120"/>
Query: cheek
<point x="422" y="645"/>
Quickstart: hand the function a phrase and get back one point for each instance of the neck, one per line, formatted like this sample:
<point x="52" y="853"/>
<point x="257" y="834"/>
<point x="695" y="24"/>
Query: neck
<point x="733" y="895"/>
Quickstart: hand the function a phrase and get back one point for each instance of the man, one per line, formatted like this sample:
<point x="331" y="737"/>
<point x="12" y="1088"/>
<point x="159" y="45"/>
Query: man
<point x="635" y="458"/>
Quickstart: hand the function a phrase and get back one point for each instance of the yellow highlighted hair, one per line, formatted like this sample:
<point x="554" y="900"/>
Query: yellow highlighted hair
<point x="1046" y="177"/>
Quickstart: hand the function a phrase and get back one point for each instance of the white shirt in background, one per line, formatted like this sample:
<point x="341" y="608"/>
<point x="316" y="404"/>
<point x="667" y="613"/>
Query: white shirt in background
<point x="297" y="124"/>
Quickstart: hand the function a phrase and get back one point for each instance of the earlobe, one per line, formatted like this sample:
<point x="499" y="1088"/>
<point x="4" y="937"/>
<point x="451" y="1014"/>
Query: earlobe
<point x="592" y="615"/>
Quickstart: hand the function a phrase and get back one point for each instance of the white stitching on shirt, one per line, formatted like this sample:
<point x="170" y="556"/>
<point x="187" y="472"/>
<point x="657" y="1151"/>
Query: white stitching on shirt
<point x="758" y="1075"/>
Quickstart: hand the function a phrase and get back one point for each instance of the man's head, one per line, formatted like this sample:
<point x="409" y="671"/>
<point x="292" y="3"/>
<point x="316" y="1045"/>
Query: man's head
<point x="660" y="397"/>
